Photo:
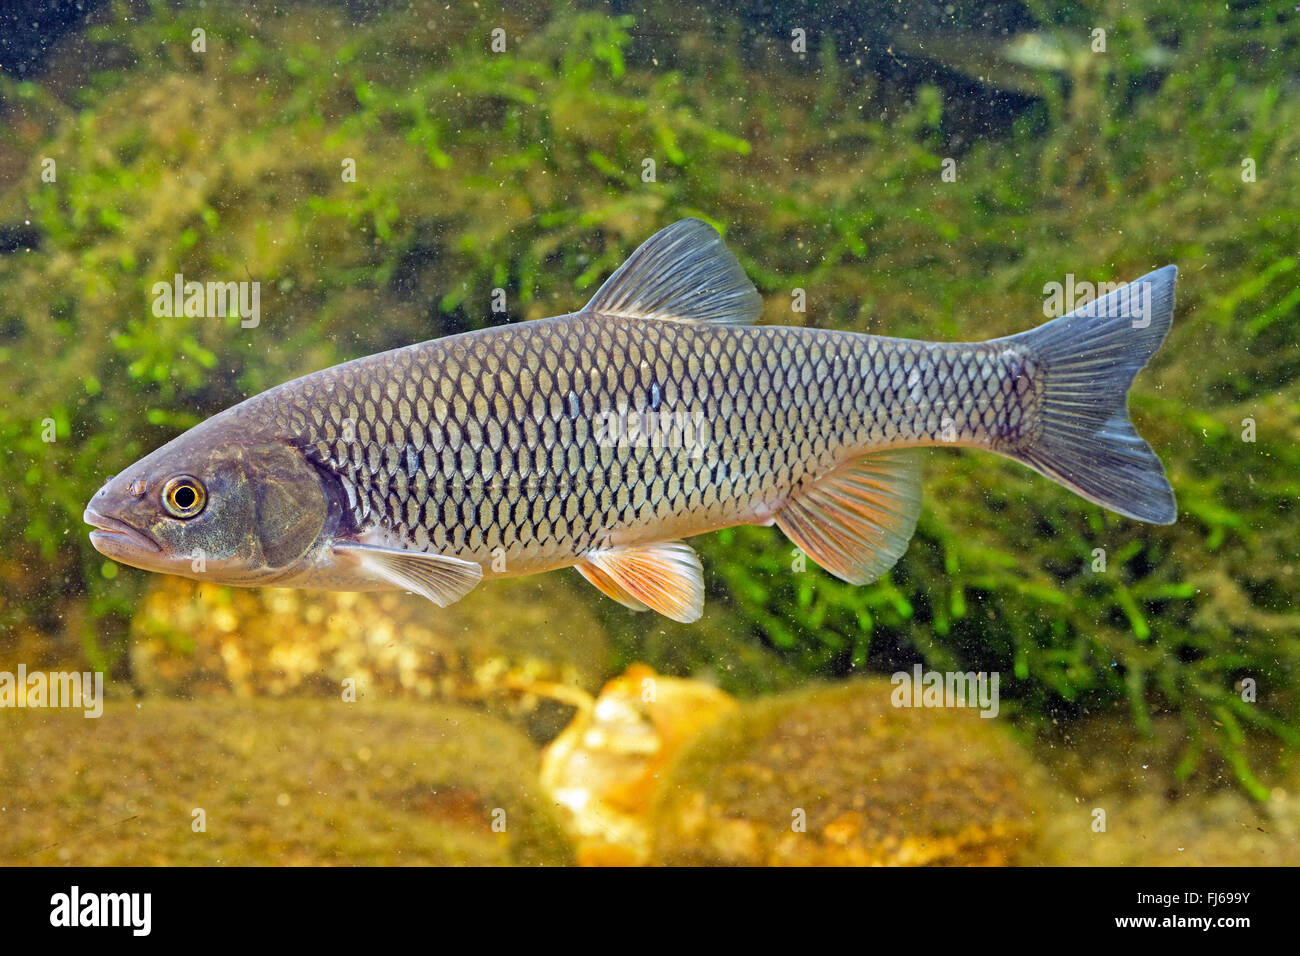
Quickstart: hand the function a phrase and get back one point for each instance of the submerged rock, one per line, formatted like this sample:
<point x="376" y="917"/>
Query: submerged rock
<point x="198" y="640"/>
<point x="284" y="782"/>
<point x="838" y="776"/>
<point x="604" y="768"/>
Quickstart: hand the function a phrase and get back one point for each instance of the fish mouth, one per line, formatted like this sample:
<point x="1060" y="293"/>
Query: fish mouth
<point x="113" y="537"/>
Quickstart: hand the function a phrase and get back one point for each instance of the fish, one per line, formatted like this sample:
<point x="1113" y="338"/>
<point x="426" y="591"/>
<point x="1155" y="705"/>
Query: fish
<point x="1018" y="64"/>
<point x="603" y="438"/>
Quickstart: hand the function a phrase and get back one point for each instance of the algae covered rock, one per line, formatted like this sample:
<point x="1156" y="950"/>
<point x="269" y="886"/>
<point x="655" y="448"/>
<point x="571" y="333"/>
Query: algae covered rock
<point x="284" y="782"/>
<point x="197" y="640"/>
<point x="1117" y="806"/>
<point x="839" y="776"/>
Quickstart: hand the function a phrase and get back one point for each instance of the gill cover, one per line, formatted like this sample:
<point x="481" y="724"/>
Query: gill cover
<point x="288" y="503"/>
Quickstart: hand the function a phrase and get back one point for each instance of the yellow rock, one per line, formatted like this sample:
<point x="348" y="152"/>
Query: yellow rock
<point x="199" y="640"/>
<point x="604" y="769"/>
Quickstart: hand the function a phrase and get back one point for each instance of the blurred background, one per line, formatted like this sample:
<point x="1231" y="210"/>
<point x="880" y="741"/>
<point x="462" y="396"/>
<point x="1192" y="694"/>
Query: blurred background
<point x="918" y="169"/>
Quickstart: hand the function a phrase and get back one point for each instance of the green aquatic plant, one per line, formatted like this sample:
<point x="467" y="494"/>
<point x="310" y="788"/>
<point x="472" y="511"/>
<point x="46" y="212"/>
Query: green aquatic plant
<point x="525" y="170"/>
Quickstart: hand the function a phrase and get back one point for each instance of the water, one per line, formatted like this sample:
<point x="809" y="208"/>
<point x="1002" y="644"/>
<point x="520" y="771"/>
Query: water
<point x="384" y="174"/>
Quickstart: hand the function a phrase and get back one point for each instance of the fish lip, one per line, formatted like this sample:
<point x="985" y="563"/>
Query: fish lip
<point x="112" y="530"/>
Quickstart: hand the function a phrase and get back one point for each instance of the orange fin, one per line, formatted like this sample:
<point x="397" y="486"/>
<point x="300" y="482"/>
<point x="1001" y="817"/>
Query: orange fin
<point x="856" y="520"/>
<point x="608" y="586"/>
<point x="665" y="576"/>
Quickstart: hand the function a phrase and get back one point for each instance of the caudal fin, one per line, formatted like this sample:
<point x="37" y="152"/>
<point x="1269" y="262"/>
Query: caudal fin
<point x="1090" y="358"/>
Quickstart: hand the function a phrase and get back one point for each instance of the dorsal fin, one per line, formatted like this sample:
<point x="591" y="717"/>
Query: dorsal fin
<point x="683" y="273"/>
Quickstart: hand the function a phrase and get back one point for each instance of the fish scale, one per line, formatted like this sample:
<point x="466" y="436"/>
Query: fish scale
<point x="602" y="438"/>
<point x="501" y="426"/>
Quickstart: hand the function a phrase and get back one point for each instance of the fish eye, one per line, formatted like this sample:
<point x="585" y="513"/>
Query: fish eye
<point x="183" y="496"/>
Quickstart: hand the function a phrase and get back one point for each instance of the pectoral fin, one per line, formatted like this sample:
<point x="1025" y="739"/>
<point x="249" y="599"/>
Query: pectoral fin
<point x="443" y="580"/>
<point x="665" y="576"/>
<point x="857" y="519"/>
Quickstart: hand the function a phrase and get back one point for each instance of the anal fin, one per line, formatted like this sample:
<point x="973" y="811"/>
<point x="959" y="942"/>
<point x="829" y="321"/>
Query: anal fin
<point x="442" y="579"/>
<point x="856" y="520"/>
<point x="665" y="576"/>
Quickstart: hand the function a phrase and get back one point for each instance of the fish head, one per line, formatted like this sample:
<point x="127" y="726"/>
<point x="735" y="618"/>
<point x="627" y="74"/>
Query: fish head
<point x="216" y="504"/>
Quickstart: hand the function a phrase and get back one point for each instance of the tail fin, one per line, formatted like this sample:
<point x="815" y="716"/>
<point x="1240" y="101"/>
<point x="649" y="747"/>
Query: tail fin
<point x="1090" y="357"/>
